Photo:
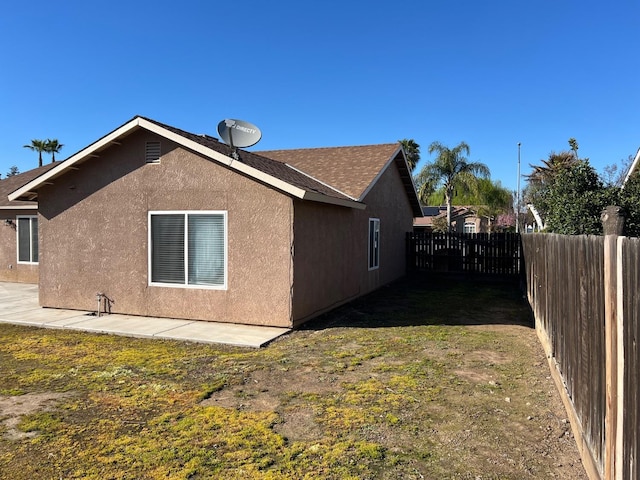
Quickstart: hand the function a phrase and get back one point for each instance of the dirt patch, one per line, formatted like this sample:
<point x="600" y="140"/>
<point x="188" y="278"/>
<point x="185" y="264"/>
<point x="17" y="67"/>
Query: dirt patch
<point x="14" y="407"/>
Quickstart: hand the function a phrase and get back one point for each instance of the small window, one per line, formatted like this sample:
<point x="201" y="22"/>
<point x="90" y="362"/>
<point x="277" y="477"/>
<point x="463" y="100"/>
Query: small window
<point x="152" y="152"/>
<point x="469" y="227"/>
<point x="374" y="243"/>
<point x="27" y="239"/>
<point x="188" y="249"/>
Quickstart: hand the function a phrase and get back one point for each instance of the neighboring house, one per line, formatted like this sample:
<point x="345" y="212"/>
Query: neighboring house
<point x="167" y="223"/>
<point x="19" y="230"/>
<point x="463" y="219"/>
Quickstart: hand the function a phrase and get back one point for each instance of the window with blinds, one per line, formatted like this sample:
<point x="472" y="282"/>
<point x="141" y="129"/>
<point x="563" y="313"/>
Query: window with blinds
<point x="27" y="239"/>
<point x="188" y="249"/>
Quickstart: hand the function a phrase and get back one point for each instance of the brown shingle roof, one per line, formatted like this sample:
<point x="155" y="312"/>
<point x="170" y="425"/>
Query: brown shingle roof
<point x="349" y="169"/>
<point x="10" y="184"/>
<point x="263" y="163"/>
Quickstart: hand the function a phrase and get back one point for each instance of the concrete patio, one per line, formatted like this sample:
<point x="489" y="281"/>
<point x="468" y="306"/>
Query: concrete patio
<point x="19" y="305"/>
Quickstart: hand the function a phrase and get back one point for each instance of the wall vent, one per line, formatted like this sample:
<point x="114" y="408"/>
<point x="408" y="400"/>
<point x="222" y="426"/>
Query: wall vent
<point x="152" y="152"/>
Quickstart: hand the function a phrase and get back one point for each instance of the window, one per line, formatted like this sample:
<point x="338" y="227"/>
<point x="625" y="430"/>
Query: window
<point x="27" y="239"/>
<point x="188" y="249"/>
<point x="152" y="152"/>
<point x="374" y="243"/>
<point x="469" y="227"/>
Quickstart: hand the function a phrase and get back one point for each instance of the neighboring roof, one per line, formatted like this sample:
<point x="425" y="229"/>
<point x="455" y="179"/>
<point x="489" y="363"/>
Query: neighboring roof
<point x="633" y="167"/>
<point x="10" y="184"/>
<point x="431" y="213"/>
<point x="341" y="176"/>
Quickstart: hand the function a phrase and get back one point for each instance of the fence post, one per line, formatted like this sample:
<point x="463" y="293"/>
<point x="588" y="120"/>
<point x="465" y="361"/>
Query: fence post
<point x="613" y="224"/>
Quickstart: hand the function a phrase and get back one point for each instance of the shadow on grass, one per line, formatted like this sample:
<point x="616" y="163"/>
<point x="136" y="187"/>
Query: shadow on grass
<point x="432" y="300"/>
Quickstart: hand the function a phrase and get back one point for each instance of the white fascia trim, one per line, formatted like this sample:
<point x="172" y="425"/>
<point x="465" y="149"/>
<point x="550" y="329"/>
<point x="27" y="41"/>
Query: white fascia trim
<point x="20" y="207"/>
<point x="319" y="197"/>
<point x="321" y="182"/>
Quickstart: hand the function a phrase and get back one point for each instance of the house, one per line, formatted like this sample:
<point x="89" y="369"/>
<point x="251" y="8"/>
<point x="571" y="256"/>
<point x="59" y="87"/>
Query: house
<point x="19" y="230"/>
<point x="464" y="219"/>
<point x="156" y="221"/>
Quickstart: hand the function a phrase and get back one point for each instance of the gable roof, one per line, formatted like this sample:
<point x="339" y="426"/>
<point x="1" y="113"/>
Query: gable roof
<point x="10" y="184"/>
<point x="351" y="169"/>
<point x="298" y="180"/>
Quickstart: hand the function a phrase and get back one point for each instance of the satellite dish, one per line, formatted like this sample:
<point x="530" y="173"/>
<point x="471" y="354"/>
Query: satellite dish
<point x="237" y="133"/>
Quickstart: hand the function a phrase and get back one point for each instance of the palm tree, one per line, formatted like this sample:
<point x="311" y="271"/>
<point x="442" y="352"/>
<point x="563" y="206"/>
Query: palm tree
<point x="451" y="169"/>
<point x="549" y="169"/>
<point x="53" y="147"/>
<point x="411" y="152"/>
<point x="38" y="146"/>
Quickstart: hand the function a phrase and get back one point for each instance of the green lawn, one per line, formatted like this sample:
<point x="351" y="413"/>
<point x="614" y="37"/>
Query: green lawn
<point x="432" y="380"/>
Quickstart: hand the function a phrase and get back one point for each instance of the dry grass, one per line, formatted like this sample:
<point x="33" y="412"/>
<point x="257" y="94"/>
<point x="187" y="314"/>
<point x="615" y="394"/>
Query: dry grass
<point x="420" y="380"/>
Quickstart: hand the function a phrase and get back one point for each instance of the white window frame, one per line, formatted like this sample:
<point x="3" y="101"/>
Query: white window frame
<point x="31" y="261"/>
<point x="373" y="242"/>
<point x="469" y="226"/>
<point x="186" y="214"/>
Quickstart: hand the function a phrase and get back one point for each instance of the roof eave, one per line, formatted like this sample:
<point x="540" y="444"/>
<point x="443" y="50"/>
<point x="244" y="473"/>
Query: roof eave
<point x="19" y="207"/>
<point x="321" y="198"/>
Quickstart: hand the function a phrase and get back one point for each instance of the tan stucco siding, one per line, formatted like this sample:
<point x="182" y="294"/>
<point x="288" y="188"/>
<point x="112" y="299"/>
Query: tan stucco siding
<point x="387" y="201"/>
<point x="10" y="269"/>
<point x="95" y="236"/>
<point x="326" y="257"/>
<point x="331" y="247"/>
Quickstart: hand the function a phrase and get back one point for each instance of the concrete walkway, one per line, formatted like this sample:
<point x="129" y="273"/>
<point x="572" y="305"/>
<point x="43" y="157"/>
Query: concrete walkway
<point x="19" y="305"/>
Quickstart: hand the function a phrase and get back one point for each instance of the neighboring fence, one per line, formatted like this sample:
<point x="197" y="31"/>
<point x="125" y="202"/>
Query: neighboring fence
<point x="584" y="294"/>
<point x="473" y="253"/>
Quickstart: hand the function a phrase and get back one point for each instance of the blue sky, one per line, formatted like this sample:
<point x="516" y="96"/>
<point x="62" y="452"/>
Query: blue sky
<point x="330" y="73"/>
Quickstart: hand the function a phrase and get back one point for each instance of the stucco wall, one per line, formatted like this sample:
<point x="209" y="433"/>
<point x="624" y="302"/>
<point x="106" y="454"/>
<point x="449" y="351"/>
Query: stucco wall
<point x="326" y="258"/>
<point x="10" y="269"/>
<point x="94" y="231"/>
<point x="331" y="247"/>
<point x="389" y="202"/>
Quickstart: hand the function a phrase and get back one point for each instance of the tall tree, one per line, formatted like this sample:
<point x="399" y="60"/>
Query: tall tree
<point x="38" y="146"/>
<point x="571" y="203"/>
<point x="53" y="147"/>
<point x="13" y="171"/>
<point x="411" y="152"/>
<point x="452" y="170"/>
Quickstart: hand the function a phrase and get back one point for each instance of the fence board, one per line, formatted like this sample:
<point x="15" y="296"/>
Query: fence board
<point x="631" y="402"/>
<point x="472" y="253"/>
<point x="564" y="276"/>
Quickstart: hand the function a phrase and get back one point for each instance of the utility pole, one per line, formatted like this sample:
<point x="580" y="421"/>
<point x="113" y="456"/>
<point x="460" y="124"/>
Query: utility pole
<point x="518" y="194"/>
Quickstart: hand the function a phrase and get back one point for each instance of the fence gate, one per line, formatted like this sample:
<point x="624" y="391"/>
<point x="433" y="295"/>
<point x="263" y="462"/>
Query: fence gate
<point x="473" y="253"/>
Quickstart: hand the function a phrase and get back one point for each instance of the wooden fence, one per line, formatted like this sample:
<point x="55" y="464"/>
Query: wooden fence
<point x="472" y="253"/>
<point x="584" y="294"/>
